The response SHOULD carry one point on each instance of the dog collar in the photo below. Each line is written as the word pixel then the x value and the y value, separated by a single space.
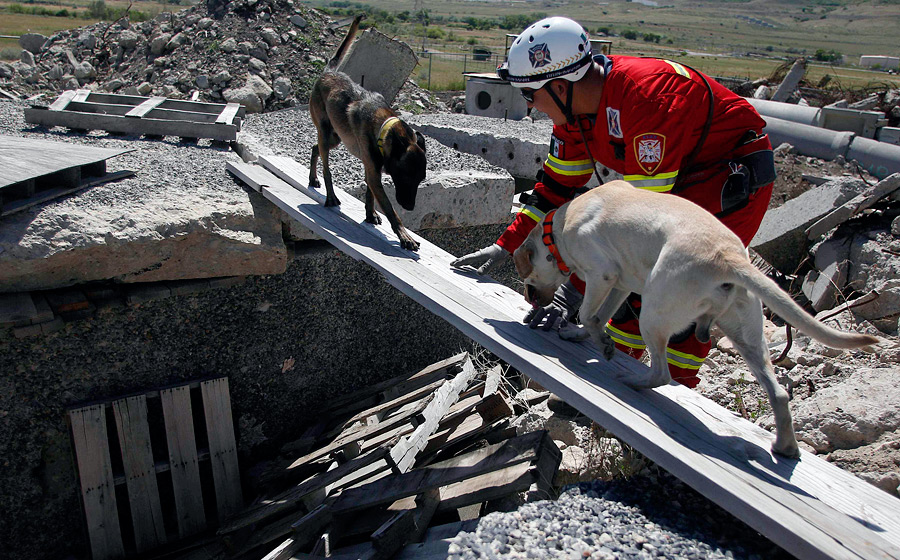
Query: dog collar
pixel 385 128
pixel 547 238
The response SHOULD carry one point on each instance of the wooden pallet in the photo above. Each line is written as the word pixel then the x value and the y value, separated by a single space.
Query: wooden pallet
pixel 127 114
pixel 118 443
pixel 34 171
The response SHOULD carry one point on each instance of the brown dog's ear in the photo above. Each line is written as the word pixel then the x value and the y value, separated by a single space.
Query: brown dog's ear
pixel 420 140
pixel 522 258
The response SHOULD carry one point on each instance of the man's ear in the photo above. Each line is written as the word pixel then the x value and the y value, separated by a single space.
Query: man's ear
pixel 559 87
pixel 522 257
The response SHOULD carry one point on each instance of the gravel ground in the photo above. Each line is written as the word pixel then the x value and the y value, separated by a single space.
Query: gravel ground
pixel 648 516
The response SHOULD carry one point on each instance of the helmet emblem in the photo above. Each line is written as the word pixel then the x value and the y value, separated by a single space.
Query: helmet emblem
pixel 539 55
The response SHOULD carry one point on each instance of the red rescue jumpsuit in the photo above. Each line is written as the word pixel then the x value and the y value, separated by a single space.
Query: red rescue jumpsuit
pixel 651 116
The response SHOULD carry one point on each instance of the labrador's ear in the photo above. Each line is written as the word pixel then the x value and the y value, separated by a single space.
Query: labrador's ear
pixel 522 257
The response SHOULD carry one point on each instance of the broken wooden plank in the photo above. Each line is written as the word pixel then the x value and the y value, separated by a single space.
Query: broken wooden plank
pixel 63 100
pixel 399 385
pixel 390 537
pixel 436 543
pixel 809 507
pixel 29 158
pixel 404 454
pixel 229 113
pixel 292 499
pixel 140 472
pixel 380 410
pixel 524 448
pixel 185 469
pixel 95 473
pixel 364 432
pixel 222 448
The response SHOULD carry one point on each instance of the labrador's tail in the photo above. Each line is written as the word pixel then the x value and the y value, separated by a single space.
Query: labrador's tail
pixel 780 302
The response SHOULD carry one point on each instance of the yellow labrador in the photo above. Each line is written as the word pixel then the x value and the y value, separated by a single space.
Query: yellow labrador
pixel 688 267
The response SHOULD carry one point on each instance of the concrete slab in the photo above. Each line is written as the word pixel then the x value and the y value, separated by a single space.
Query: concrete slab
pixel 791 81
pixel 854 206
pixel 823 285
pixel 180 216
pixel 781 238
pixel 379 63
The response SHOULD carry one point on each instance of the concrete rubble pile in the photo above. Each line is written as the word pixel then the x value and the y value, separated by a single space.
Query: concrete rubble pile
pixel 262 54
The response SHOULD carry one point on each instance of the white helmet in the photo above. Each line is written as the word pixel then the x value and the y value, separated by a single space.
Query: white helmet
pixel 555 47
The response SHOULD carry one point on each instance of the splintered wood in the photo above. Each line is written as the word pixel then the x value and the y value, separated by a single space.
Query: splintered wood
pixel 388 462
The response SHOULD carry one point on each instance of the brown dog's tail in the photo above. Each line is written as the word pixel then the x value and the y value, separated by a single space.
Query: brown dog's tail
pixel 780 302
pixel 351 33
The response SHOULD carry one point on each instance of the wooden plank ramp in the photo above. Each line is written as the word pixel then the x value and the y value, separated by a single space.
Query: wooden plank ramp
pixel 809 507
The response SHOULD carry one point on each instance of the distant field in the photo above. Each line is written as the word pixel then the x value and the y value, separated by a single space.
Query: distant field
pixel 722 30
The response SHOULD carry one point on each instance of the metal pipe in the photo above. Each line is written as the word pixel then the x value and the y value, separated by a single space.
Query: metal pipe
pixel 878 158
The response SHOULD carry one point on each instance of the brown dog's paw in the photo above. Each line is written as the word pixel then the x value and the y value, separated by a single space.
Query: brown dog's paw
pixel 409 244
pixel 314 184
pixel 332 201
pixel 373 219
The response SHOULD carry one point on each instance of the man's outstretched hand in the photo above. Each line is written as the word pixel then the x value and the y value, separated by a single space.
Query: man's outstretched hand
pixel 482 260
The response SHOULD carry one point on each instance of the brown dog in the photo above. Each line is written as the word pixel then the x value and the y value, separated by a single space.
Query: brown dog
pixel 343 111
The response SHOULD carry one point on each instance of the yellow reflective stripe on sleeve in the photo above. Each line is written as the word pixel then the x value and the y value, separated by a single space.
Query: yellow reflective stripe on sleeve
pixel 683 360
pixel 660 182
pixel 569 168
pixel 625 339
pixel 679 68
pixel 533 213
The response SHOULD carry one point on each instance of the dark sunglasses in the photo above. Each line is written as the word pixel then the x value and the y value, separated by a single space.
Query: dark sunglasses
pixel 528 94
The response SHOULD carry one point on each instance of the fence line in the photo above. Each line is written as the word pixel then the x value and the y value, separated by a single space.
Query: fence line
pixel 444 65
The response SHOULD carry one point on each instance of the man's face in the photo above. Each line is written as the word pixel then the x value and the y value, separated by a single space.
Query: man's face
pixel 541 100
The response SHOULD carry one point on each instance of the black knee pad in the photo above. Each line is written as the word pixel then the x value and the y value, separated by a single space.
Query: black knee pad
pixel 631 309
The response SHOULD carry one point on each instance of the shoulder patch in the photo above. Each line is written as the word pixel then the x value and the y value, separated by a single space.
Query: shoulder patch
pixel 556 146
pixel 649 151
pixel 613 122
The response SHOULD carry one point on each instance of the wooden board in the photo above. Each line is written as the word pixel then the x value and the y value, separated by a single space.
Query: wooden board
pixel 222 448
pixel 28 158
pixel 140 472
pixel 97 489
pixel 124 125
pixel 810 507
pixel 522 449
pixel 404 453
pixel 183 460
